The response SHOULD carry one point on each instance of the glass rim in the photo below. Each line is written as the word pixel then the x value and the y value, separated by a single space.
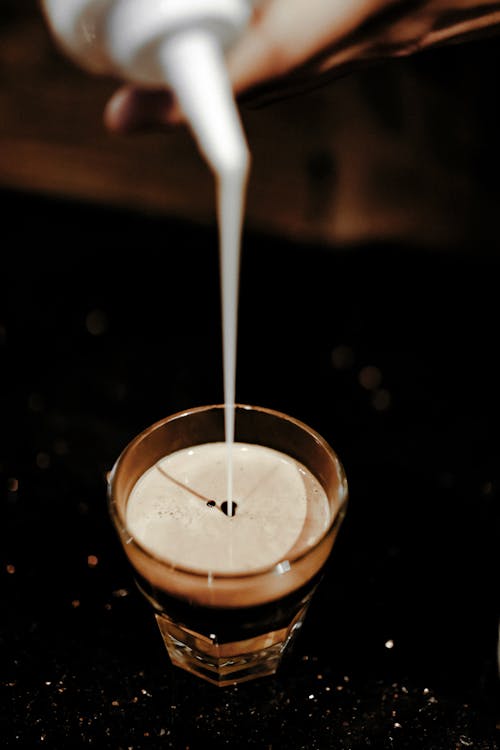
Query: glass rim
pixel 121 526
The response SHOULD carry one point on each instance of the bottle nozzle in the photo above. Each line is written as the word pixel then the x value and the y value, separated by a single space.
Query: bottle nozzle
pixel 195 68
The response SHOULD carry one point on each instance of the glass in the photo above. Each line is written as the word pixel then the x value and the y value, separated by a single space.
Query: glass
pixel 229 627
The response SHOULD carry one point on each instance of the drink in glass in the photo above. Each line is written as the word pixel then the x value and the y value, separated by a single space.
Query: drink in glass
pixel 229 579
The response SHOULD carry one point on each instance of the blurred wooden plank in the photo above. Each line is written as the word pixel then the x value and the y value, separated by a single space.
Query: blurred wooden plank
pixel 323 166
pixel 52 139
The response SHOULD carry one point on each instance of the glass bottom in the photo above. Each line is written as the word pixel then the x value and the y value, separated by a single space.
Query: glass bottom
pixel 227 663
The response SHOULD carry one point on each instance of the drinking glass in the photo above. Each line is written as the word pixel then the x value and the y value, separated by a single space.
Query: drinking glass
pixel 229 627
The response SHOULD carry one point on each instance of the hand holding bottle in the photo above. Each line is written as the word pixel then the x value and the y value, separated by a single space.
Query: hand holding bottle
pixel 292 45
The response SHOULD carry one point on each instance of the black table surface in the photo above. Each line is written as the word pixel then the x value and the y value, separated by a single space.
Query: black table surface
pixel 111 321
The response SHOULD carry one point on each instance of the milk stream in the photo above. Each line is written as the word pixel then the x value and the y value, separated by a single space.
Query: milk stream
pixel 197 71
pixel 231 189
pixel 179 44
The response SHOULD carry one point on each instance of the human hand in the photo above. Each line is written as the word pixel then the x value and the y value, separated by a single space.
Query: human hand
pixel 293 45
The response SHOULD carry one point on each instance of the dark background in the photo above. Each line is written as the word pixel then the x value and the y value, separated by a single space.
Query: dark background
pixel 373 318
pixel 110 322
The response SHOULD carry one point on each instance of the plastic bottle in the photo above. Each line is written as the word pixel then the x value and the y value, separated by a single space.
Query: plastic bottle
pixel 175 43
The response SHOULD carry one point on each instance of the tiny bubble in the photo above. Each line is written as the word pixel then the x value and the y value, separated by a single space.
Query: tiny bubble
pixel 35 402
pixel 96 322
pixel 61 447
pixel 389 644
pixel 342 357
pixel 370 377
pixel 42 460
pixel 381 399
pixel 120 391
pixel 446 480
pixel 92 561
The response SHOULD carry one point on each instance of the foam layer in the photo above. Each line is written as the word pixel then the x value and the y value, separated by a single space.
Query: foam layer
pixel 281 509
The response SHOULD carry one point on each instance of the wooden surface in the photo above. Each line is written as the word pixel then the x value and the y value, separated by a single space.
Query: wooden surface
pixel 330 165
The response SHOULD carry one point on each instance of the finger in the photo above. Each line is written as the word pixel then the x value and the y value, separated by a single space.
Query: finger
pixel 287 33
pixel 284 34
pixel 133 109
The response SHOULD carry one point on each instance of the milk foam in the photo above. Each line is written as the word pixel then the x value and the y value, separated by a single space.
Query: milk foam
pixel 281 509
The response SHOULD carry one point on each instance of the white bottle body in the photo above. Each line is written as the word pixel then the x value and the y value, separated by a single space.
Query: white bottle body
pixel 122 37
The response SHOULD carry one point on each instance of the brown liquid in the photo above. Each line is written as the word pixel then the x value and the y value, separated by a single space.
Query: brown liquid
pixel 231 624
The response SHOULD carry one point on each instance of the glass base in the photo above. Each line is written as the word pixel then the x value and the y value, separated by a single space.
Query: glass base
pixel 227 663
